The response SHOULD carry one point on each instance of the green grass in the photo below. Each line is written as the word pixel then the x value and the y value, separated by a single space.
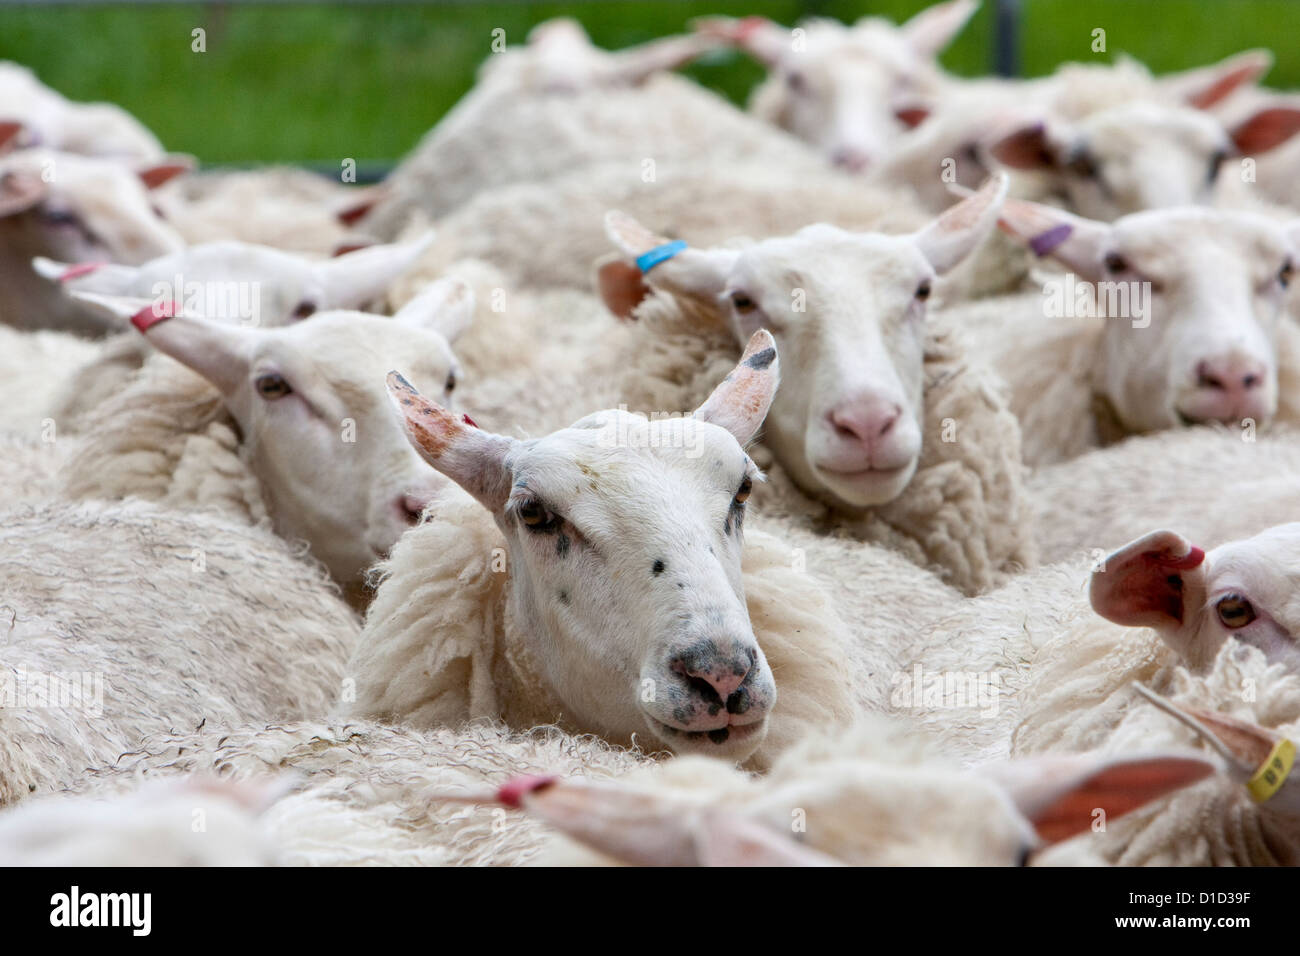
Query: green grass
pixel 319 82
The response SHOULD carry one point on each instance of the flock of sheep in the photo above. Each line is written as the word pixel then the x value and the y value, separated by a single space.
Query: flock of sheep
pixel 374 525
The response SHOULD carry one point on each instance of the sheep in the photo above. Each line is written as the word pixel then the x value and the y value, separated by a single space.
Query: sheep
pixel 229 280
pixel 846 91
pixel 871 796
pixel 122 619
pixel 33 365
pixel 953 504
pixel 1081 695
pixel 75 209
pixel 281 424
pixel 645 120
pixel 1093 503
pixel 1165 318
pixel 190 822
pixel 501 606
pixel 51 120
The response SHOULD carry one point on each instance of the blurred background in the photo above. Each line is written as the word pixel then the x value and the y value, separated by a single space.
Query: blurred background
pixel 315 82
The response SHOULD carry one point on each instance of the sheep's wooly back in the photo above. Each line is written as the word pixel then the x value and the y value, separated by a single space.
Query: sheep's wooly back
pixel 1079 698
pixel 440 647
pixel 167 438
pixel 367 794
pixel 184 618
pixel 33 367
pixel 534 135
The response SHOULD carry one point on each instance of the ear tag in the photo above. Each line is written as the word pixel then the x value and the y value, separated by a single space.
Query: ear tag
pixel 648 260
pixel 151 315
pixel 1269 778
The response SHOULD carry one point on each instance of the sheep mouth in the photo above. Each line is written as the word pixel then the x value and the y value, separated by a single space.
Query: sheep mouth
pixel 868 472
pixel 726 734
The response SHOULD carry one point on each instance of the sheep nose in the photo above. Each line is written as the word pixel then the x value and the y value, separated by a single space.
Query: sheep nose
pixel 716 677
pixel 865 423
pixel 413 505
pixel 853 158
pixel 1232 374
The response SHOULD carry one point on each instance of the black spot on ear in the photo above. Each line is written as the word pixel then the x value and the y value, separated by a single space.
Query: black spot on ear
pixel 562 544
pixel 407 401
pixel 658 566
pixel 761 360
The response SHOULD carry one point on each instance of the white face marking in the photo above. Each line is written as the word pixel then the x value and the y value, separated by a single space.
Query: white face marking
pixel 625 538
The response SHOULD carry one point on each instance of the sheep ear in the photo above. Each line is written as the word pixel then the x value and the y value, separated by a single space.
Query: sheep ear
pixel 474 459
pixel 762 39
pixel 1206 86
pixel 1061 794
pixel 445 306
pixel 1266 129
pixel 164 172
pixel 255 796
pixel 9 133
pixel 219 352
pixel 20 191
pixel 740 403
pixel 931 30
pixel 361 201
pixel 635 65
pixel 959 229
pixel 620 283
pixel 1156 581
pixel 1031 145
pixel 664 263
pixel 1075 242
pixel 106 278
pixel 726 839
pixel 359 277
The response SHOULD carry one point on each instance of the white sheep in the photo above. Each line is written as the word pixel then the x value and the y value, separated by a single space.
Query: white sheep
pixel 848 91
pixel 535 129
pixel 74 209
pixel 127 619
pixel 502 607
pixel 51 120
pixel 289 424
pixel 1164 318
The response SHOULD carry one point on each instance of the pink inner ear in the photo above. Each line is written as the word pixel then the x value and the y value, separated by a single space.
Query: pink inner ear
pixel 1224 85
pixel 1144 589
pixel 621 287
pixel 1266 129
pixel 1025 149
pixel 912 116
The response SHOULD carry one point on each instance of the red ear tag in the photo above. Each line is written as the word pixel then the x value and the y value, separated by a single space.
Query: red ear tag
pixel 513 791
pixel 77 271
pixel 469 421
pixel 151 315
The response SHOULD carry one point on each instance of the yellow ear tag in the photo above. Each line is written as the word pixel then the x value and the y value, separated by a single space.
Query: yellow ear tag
pixel 1269 778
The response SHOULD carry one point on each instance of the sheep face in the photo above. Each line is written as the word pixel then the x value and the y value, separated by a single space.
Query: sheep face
pixel 1194 336
pixel 625 538
pixel 245 283
pixel 1244 590
pixel 315 423
pixel 839 88
pixel 79 209
pixel 848 312
pixel 1139 156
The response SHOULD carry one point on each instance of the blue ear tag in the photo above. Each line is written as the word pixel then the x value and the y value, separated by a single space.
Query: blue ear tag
pixel 648 260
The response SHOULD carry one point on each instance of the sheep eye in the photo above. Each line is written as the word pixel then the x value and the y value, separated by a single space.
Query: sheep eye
pixel 451 382
pixel 1235 611
pixel 272 386
pixel 797 82
pixel 923 290
pixel 742 302
pixel 742 495
pixel 59 217
pixel 1284 274
pixel 1082 165
pixel 535 516
pixel 304 309
pixel 1115 263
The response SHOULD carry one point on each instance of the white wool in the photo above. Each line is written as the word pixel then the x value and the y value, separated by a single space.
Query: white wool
pixel 1080 697
pixel 33 369
pixel 174 619
pixel 279 206
pixel 1094 503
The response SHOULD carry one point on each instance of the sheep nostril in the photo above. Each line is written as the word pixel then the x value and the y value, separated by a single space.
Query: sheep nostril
pixel 412 507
